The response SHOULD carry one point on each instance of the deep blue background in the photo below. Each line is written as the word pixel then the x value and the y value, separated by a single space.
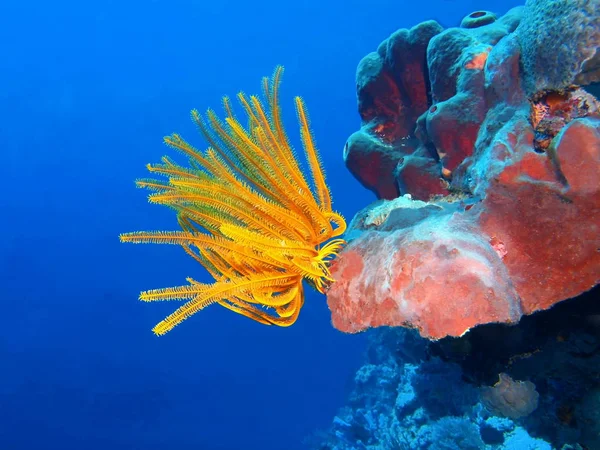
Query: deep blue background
pixel 87 90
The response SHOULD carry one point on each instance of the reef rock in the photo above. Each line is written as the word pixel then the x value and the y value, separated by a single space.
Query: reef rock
pixel 490 192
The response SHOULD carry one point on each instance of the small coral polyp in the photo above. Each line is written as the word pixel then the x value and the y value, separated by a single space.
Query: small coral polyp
pixel 504 155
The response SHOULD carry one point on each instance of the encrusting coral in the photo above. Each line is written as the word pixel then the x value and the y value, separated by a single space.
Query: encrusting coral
pixel 248 214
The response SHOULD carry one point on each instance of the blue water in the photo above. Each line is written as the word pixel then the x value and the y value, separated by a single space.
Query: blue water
pixel 87 90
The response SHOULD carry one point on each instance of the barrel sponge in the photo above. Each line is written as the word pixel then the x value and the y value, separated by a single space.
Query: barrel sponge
pixel 559 43
pixel 478 19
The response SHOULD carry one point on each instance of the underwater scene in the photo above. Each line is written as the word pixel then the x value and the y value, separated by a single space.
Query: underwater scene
pixel 379 225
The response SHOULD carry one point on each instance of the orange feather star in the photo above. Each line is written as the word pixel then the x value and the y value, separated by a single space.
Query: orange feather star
pixel 247 214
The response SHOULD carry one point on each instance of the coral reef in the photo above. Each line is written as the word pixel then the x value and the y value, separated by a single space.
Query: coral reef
pixel 482 145
pixel 486 168
pixel 415 394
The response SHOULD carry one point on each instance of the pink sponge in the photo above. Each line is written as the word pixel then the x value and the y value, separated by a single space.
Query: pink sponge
pixel 507 216
pixel 438 275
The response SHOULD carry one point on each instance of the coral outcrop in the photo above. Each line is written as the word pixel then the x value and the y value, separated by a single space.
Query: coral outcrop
pixel 487 170
pixel 409 401
pixel 530 386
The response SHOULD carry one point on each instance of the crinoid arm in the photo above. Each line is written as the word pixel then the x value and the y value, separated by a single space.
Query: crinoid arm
pixel 248 214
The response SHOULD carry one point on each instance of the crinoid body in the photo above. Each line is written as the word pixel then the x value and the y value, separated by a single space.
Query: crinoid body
pixel 247 214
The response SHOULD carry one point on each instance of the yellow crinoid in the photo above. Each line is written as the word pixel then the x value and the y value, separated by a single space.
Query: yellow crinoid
pixel 248 214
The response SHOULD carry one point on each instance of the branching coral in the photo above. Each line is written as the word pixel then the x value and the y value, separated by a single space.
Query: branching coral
pixel 248 214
